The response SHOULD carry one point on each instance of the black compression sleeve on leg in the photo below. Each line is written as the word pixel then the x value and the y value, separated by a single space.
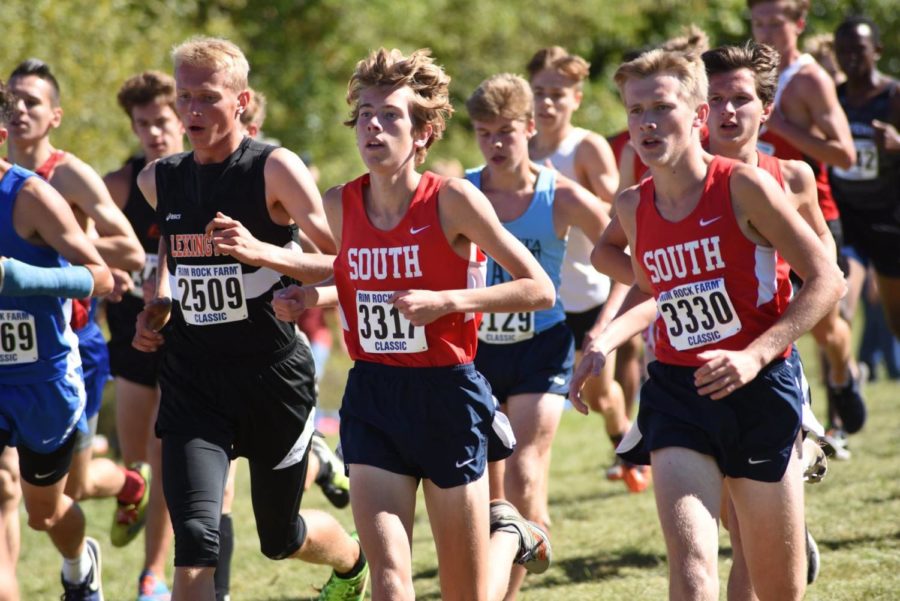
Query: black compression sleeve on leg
pixel 226 550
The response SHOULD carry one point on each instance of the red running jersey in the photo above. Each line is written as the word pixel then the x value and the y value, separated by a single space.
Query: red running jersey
pixel 372 264
pixel 775 145
pixel 714 288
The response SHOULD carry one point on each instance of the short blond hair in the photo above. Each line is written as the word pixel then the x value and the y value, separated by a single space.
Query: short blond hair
pixel 693 39
pixel 504 95
pixel 558 59
pixel 217 54
pixel 255 113
pixel 686 67
pixel 428 82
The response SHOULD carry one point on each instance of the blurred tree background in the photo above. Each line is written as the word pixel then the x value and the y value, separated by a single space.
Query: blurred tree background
pixel 302 53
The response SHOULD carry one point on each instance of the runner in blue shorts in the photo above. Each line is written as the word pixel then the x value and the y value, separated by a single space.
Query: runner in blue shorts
pixel 82 188
pixel 45 261
pixel 526 356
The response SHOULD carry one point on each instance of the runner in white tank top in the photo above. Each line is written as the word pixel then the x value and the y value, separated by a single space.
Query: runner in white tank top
pixel 556 78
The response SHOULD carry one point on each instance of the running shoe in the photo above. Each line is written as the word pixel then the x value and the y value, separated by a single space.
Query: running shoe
pixel 849 404
pixel 151 588
pixel 333 482
pixel 130 518
pixel 535 552
pixel 834 443
pixel 346 589
pixel 91 588
pixel 637 477
pixel 815 461
pixel 812 558
pixel 616 470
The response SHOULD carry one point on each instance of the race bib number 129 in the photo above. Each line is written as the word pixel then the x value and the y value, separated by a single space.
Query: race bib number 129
pixel 210 294
pixel 506 328
pixel 698 314
pixel 383 329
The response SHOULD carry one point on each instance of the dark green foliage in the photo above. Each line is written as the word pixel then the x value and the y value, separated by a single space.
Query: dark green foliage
pixel 303 51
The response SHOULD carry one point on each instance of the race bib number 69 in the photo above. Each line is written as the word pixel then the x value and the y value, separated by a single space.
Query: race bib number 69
pixel 383 329
pixel 18 338
pixel 698 314
pixel 210 294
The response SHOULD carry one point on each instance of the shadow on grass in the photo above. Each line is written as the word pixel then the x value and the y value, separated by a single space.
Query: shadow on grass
pixel 559 502
pixel 860 541
pixel 590 568
pixel 577 569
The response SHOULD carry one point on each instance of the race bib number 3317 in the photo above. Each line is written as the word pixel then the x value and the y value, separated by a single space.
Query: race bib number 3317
pixel 383 329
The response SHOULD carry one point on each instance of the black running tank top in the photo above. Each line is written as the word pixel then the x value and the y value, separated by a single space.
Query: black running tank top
pixel 221 308
pixel 873 182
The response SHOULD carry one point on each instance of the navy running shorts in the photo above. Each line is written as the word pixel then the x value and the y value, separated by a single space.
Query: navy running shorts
pixel 424 422
pixel 542 364
pixel 750 433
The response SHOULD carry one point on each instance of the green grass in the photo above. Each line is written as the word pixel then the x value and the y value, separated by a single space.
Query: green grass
pixel 607 543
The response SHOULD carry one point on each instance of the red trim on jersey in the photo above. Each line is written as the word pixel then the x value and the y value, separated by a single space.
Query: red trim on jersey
pixel 49 166
pixel 452 339
pixel 617 142
pixel 708 244
pixel 785 150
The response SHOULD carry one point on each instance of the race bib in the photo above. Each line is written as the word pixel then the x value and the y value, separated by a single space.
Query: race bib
pixel 147 274
pixel 18 338
pixel 866 166
pixel 506 328
pixel 383 329
pixel 698 314
pixel 210 294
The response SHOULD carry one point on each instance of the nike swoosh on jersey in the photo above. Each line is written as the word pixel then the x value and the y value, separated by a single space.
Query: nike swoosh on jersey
pixel 753 461
pixel 705 222
pixel 416 230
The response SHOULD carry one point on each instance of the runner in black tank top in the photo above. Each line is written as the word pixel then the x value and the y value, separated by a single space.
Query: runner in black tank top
pixel 125 361
pixel 234 381
pixel 869 191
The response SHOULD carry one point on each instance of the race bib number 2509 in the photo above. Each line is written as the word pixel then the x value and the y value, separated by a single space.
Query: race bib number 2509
pixel 210 294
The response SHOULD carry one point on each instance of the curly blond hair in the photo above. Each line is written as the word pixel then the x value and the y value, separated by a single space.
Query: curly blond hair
pixel 428 82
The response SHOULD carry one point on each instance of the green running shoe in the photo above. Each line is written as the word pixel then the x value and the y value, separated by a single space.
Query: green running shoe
pixel 346 589
pixel 130 518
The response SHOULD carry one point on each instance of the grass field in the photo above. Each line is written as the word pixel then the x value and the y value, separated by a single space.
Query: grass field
pixel 607 544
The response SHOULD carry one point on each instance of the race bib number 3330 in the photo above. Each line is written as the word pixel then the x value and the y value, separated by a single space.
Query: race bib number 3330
pixel 210 294
pixel 383 329
pixel 698 314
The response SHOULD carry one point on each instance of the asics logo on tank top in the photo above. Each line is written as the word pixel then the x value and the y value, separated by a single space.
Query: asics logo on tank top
pixel 694 257
pixel 384 262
